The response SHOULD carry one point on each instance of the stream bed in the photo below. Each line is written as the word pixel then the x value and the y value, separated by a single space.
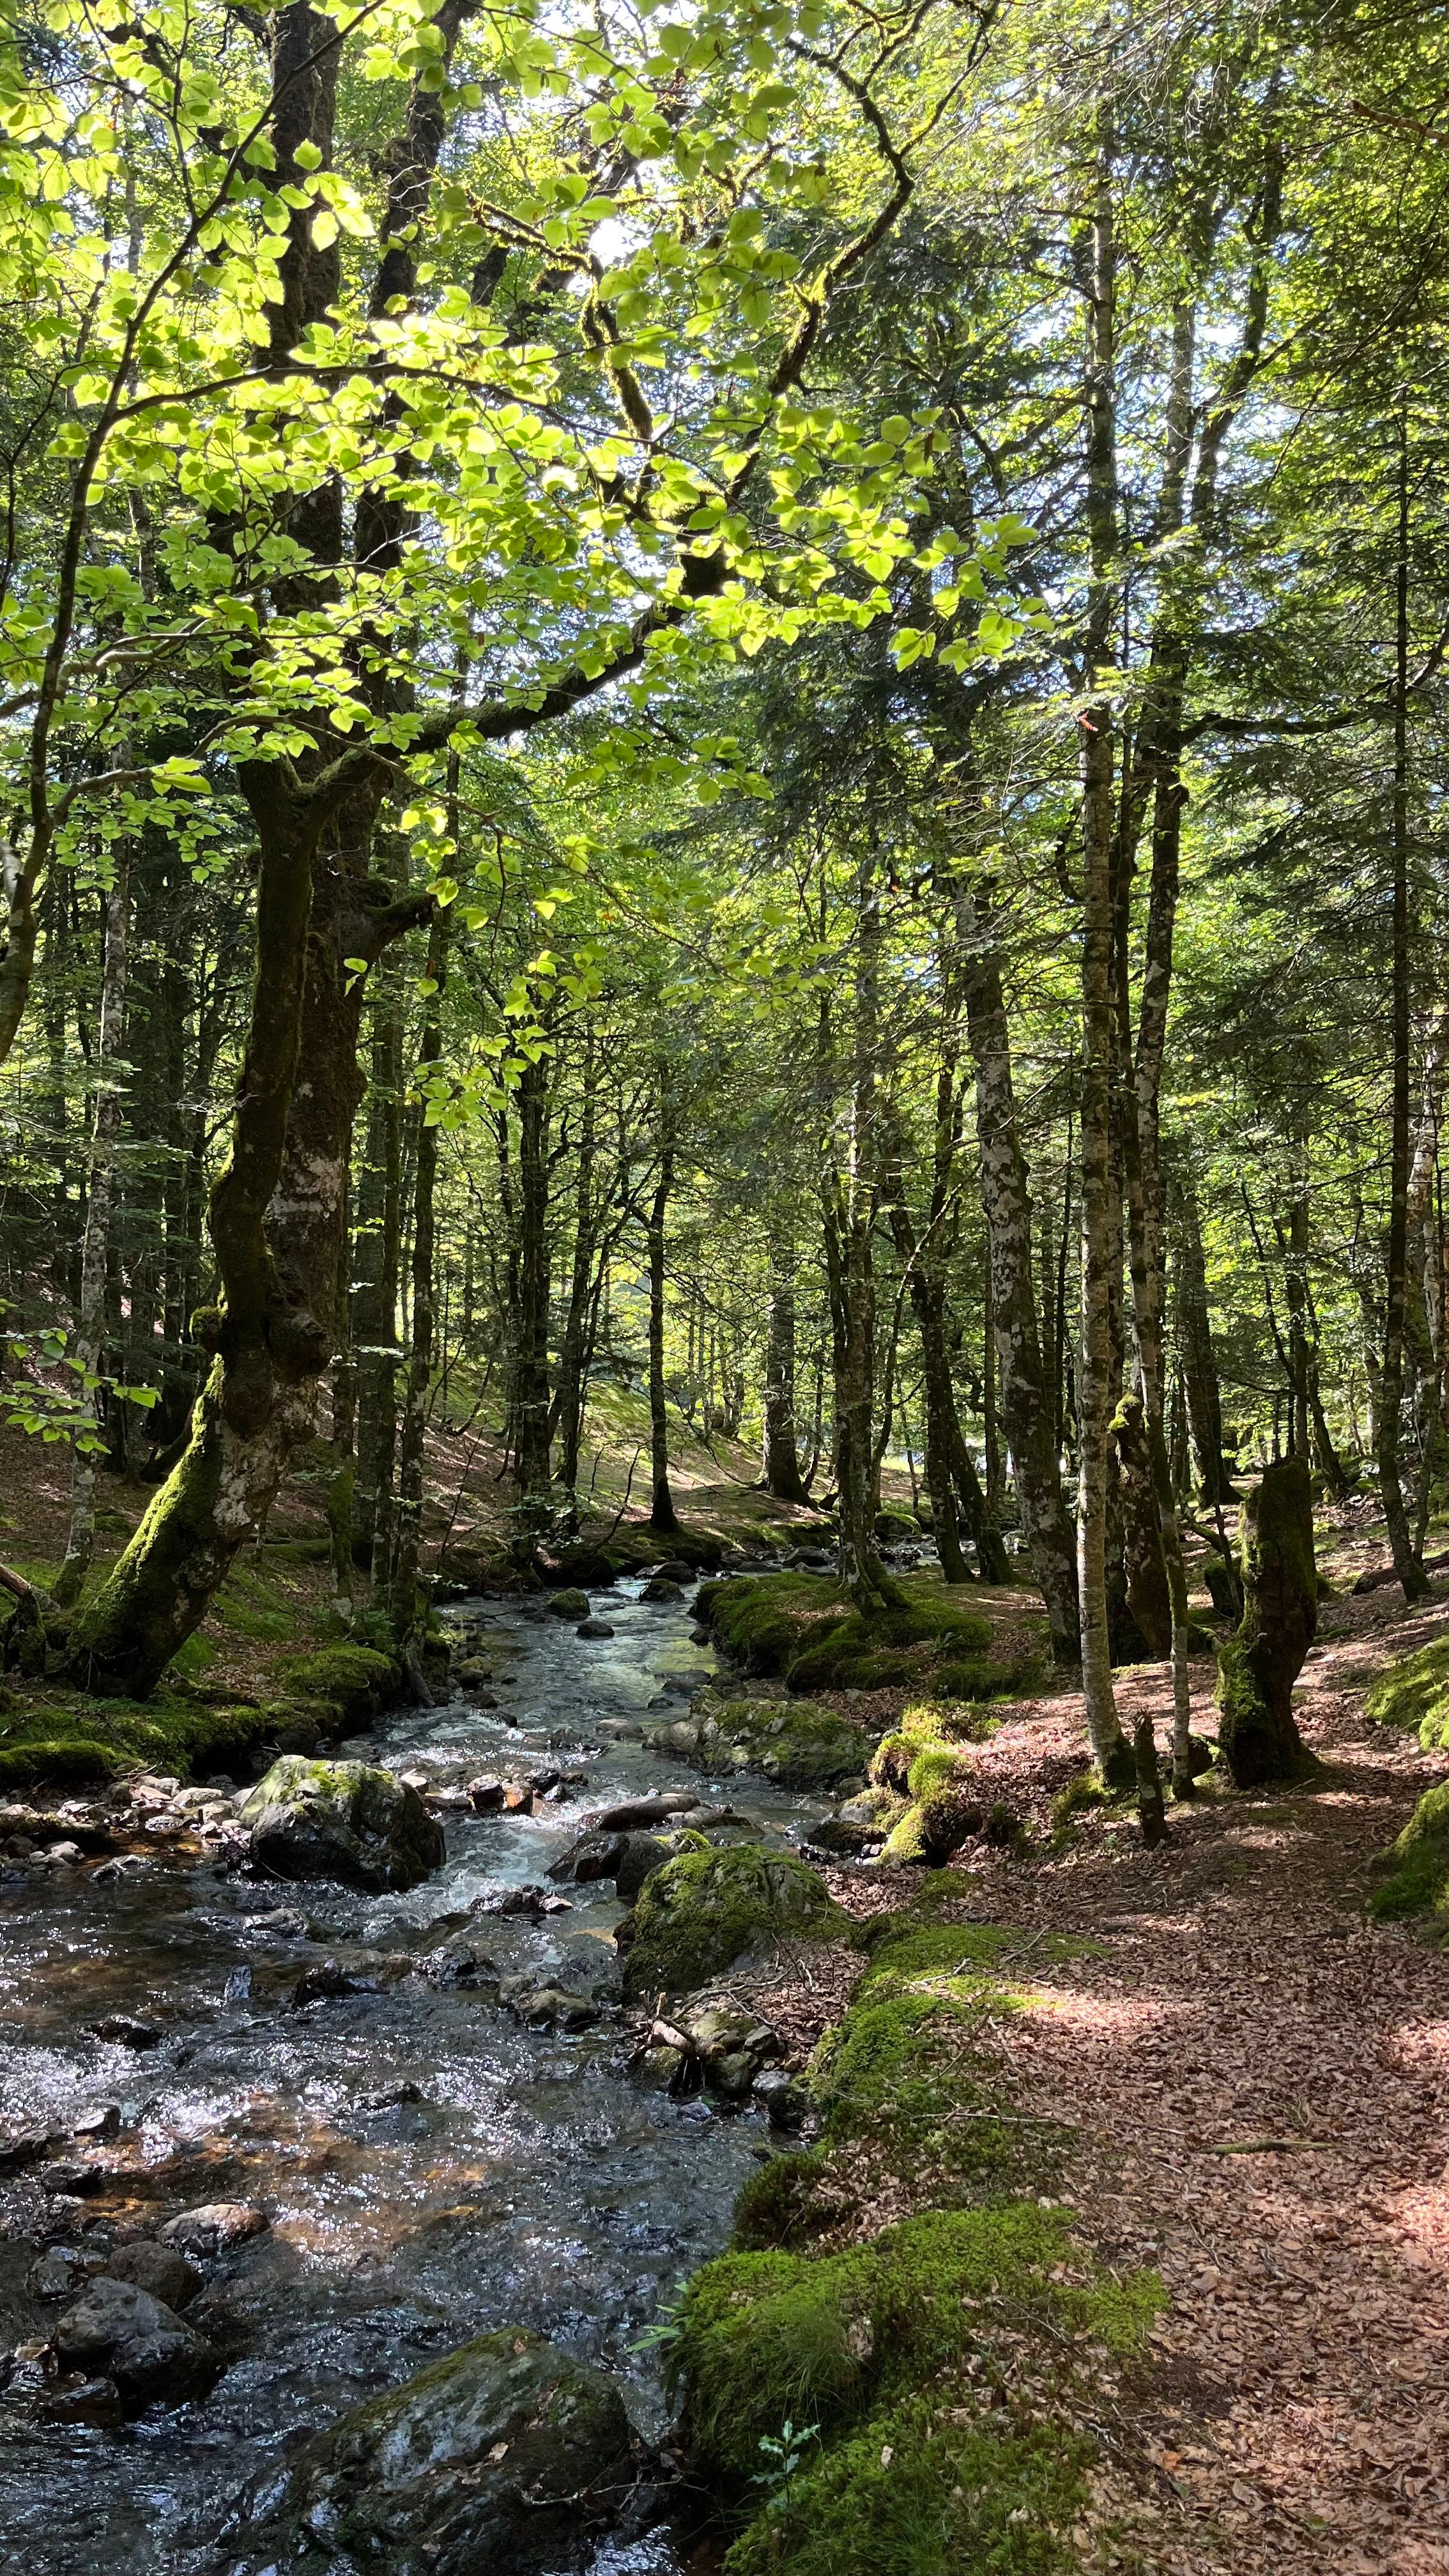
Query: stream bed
pixel 531 2181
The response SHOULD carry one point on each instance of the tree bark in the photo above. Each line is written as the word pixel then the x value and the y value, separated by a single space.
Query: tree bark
pixel 1101 1208
pixel 662 1514
pixel 1007 1206
pixel 96 1243
pixel 378 1277
pixel 1408 1560
pixel 782 1457
pixel 409 1605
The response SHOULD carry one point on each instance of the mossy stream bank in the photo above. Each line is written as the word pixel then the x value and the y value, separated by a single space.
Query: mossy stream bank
pixel 433 2109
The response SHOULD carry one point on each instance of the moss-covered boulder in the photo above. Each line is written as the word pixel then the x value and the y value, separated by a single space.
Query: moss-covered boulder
pixel 356 1680
pixel 801 1625
pixel 1256 1730
pixel 341 1820
pixel 704 1910
pixel 926 1762
pixel 1414 1692
pixel 1414 1871
pixel 795 1743
pixel 506 2456
pixel 570 1604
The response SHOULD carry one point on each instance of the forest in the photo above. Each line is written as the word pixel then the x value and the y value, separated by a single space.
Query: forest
pixel 724 1297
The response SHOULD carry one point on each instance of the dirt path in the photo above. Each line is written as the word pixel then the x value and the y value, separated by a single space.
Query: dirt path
pixel 1261 2086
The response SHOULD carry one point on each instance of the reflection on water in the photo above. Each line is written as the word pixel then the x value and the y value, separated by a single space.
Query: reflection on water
pixel 528 2182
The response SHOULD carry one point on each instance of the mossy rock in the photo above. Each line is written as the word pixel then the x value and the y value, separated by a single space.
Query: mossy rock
pixel 893 1527
pixel 570 1604
pixel 925 1760
pixel 358 1680
pixel 94 1740
pixel 1415 1869
pixel 341 1820
pixel 701 1912
pixel 799 1625
pixel 506 2455
pixel 823 2339
pixel 1414 1692
pixel 792 1742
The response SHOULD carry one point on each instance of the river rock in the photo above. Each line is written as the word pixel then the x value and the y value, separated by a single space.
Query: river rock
pixel 571 1604
pixel 795 1743
pixel 595 1628
pixel 21 2147
pixel 162 2270
pixel 59 2273
pixel 662 1587
pixel 126 2030
pixel 214 2227
pixel 704 1910
pixel 783 2098
pixel 487 1797
pixel 83 2401
pixel 120 2332
pixel 547 2007
pixel 71 2176
pixel 636 1813
pixel 341 1820
pixel 857 1826
pixel 504 2457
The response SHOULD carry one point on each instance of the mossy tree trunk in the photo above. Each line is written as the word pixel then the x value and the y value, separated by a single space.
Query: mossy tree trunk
pixel 529 1391
pixel 378 1261
pixel 1257 1730
pixel 851 1200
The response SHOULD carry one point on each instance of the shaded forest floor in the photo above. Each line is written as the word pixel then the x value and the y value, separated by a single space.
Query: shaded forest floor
pixel 1257 2082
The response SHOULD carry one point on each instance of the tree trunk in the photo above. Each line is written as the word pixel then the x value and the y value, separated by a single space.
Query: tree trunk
pixel 1006 1203
pixel 378 1278
pixel 95 1251
pixel 1408 1560
pixel 532 1467
pixel 409 1606
pixel 662 1514
pixel 782 1458
pixel 1101 1207
pixel 1258 1732
pixel 1194 1341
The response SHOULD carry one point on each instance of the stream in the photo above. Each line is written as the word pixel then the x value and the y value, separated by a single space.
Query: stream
pixel 532 2181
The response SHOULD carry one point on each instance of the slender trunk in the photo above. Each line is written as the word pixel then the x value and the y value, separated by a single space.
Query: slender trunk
pixel 409 1605
pixel 1101 1210
pixel 662 1514
pixel 1408 1560
pixel 341 1482
pixel 782 1459
pixel 375 1297
pixel 850 1210
pixel 1006 1203
pixel 532 1469
pixel 96 1244
pixel 1194 1342
pixel 568 1399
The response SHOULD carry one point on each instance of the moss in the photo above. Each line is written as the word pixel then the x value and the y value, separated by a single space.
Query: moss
pixel 702 1911
pixel 793 1742
pixel 919 2490
pixel 925 1759
pixel 94 1740
pixel 823 2338
pixel 801 1626
pixel 780 2205
pixel 1415 1693
pixel 1257 1732
pixel 357 1679
pixel 1087 1789
pixel 1416 1867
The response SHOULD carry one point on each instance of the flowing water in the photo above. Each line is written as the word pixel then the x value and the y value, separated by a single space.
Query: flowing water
pixel 533 2181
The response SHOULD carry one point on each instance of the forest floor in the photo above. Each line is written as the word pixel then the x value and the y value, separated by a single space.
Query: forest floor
pixel 1258 2083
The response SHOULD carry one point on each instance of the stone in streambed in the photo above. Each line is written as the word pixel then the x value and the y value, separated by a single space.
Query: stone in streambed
pixel 342 1820
pixel 704 1910
pixel 661 1587
pixel 504 2457
pixel 162 2270
pixel 121 2333
pixel 215 2227
pixel 596 1628
pixel 571 1604
pixel 795 1743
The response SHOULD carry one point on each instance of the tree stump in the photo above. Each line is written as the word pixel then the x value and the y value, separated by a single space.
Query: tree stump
pixel 1257 1732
